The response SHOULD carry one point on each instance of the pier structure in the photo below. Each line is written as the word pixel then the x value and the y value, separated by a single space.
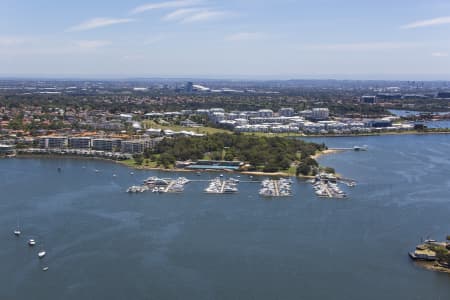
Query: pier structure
pixel 276 188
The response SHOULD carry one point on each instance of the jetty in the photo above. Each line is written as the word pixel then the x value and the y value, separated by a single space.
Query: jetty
pixel 276 188
pixel 326 186
pixel 160 185
pixel 354 148
pixel 219 186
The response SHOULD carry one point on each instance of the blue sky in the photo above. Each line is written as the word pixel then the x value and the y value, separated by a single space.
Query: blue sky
pixel 243 39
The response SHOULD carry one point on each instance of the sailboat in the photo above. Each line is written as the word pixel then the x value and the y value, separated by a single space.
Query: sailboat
pixel 31 242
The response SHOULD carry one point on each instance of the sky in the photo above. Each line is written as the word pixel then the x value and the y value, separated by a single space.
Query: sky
pixel 254 39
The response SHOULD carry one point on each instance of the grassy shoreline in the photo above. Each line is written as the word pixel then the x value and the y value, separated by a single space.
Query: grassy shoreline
pixel 130 164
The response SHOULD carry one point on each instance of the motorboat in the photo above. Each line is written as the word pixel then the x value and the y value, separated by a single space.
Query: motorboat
pixel 41 253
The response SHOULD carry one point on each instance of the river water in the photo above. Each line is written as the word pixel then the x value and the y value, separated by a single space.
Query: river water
pixel 103 243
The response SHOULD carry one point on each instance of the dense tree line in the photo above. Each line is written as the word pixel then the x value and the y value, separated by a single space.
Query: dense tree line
pixel 269 154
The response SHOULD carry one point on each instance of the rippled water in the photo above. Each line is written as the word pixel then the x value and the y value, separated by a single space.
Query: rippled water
pixel 103 243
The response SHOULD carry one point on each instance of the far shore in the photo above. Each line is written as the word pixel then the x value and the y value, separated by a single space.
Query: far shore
pixel 410 132
pixel 326 152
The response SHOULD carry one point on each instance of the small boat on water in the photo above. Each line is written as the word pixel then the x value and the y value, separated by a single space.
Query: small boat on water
pixel 360 148
pixel 17 231
pixel 41 253
pixel 31 242
pixel 45 269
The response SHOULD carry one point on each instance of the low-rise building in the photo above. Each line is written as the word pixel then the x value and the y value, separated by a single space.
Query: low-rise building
pixel 286 112
pixel 320 114
pixel 7 149
pixel 106 144
pixel 138 146
pixel 265 113
pixel 80 142
pixel 53 142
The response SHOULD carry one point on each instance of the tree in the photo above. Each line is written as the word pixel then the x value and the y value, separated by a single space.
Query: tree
pixel 166 159
pixel 138 159
pixel 329 170
pixel 303 169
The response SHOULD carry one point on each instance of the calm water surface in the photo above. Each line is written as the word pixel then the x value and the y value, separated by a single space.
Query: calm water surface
pixel 105 244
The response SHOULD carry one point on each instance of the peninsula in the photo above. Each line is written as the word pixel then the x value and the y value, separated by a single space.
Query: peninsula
pixel 433 255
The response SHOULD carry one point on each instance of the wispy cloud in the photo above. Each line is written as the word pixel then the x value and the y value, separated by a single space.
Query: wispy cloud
pixel 166 4
pixel 98 22
pixel 427 23
pixel 372 46
pixel 180 14
pixel 245 36
pixel 91 44
pixel 439 54
pixel 206 15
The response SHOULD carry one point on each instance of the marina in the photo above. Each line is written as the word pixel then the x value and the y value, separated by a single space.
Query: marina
pixel 276 188
pixel 326 186
pixel 160 185
pixel 219 186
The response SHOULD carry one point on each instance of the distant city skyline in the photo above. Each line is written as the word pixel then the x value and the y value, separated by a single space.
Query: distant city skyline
pixel 246 39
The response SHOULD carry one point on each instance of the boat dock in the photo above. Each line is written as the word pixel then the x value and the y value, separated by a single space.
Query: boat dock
pixel 276 188
pixel 160 185
pixel 326 186
pixel 219 186
pixel 354 148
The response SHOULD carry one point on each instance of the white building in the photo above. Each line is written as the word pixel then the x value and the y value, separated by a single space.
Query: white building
pixel 286 112
pixel 265 113
pixel 320 113
pixel 135 146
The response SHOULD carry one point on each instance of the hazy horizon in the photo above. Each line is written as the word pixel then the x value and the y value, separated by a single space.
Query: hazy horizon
pixel 284 39
pixel 324 77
